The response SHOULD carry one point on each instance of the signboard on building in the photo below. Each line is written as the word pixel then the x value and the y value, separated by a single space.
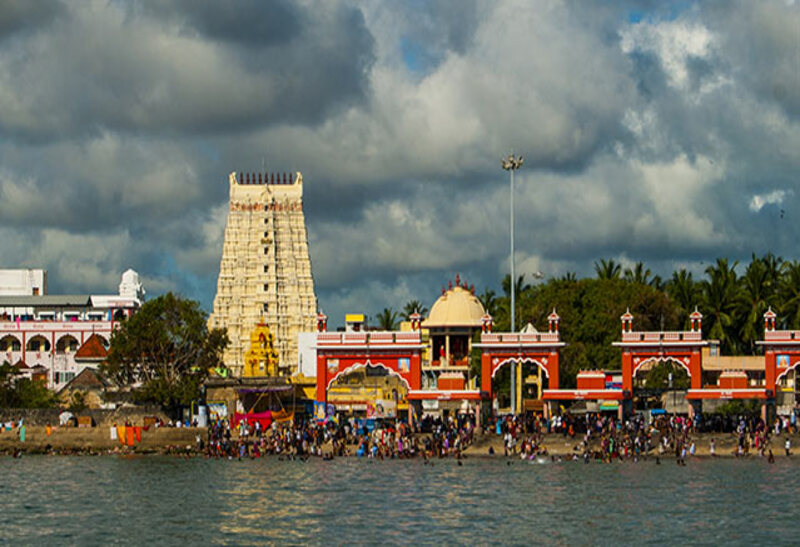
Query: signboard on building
pixel 382 408
pixel 333 366
pixel 430 404
pixel 217 410
pixel 404 364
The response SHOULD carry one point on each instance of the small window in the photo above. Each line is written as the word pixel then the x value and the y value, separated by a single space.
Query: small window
pixel 266 307
pixel 266 287
pixel 266 250
pixel 266 268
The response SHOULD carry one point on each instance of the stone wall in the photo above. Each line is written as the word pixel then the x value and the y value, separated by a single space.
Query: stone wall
pixel 100 417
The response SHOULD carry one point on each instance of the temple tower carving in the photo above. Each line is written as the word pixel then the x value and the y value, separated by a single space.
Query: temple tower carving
pixel 265 271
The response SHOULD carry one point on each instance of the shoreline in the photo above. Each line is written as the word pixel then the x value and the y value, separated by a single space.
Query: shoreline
pixel 183 441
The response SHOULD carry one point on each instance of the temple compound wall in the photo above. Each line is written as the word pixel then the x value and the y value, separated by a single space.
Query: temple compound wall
pixel 265 271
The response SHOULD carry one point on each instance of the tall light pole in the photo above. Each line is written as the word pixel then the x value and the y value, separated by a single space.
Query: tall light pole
pixel 511 164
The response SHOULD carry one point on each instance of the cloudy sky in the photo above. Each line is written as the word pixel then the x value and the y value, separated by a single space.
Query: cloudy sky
pixel 655 131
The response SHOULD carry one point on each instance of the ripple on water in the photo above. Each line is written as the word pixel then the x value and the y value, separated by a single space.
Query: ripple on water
pixel 163 500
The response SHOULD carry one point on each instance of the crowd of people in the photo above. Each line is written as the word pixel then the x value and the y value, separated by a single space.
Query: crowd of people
pixel 593 437
pixel 606 438
pixel 432 438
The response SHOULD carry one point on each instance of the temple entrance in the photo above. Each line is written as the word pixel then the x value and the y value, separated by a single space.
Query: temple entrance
pixel 369 392
pixel 661 383
pixel 532 379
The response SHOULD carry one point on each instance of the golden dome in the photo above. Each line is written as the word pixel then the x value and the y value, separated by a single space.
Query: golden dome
pixel 456 308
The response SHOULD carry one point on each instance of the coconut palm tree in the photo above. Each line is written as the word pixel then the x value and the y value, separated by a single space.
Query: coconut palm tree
pixel 607 269
pixel 638 274
pixel 387 319
pixel 683 290
pixel 489 301
pixel 569 277
pixel 721 293
pixel 789 291
pixel 776 267
pixel 753 301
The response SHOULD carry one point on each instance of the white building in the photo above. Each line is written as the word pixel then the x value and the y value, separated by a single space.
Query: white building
pixel 23 282
pixel 54 337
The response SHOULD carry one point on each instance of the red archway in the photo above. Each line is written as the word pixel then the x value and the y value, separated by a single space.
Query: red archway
pixel 683 363
pixel 781 352
pixel 499 349
pixel 368 364
pixel 523 361
pixel 340 353
pixel 681 347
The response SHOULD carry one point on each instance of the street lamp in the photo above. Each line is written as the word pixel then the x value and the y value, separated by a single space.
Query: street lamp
pixel 511 164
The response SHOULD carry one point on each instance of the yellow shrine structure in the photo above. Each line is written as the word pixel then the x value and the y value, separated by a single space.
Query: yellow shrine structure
pixel 262 358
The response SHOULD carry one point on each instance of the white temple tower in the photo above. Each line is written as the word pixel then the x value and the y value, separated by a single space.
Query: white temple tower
pixel 265 271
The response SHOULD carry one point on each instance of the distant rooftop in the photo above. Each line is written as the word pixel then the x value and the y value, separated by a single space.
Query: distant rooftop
pixel 47 300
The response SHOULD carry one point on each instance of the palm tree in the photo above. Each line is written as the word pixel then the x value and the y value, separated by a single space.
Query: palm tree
pixel 720 296
pixel 521 290
pixel 489 301
pixel 569 277
pixel 753 302
pixel 658 283
pixel 776 267
pixel 790 295
pixel 519 287
pixel 639 274
pixel 387 319
pixel 684 291
pixel 607 269
pixel 413 306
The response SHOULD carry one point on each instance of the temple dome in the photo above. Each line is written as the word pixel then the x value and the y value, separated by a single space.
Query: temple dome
pixel 457 307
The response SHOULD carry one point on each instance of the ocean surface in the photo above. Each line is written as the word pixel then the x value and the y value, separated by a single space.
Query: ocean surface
pixel 161 500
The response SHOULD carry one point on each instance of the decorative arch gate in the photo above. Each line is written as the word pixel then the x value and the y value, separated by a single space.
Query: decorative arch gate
pixel 341 353
pixel 499 349
pixel 681 347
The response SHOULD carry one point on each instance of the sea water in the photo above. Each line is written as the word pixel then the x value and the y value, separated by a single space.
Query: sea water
pixel 162 500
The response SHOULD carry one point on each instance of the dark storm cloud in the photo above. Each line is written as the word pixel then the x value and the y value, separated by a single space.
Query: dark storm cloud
pixel 246 22
pixel 21 16
pixel 130 70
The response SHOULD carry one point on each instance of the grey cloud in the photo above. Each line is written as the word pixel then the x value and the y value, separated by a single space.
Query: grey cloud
pixel 125 71
pixel 245 22
pixel 761 40
pixel 20 17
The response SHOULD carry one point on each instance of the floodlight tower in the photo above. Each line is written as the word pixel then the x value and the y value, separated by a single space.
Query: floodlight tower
pixel 511 164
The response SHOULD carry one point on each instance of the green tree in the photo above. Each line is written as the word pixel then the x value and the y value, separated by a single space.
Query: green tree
pixel 522 291
pixel 168 347
pixel 754 299
pixel 720 297
pixel 789 291
pixel 658 376
pixel 18 392
pixel 638 274
pixel 683 290
pixel 590 311
pixel 607 269
pixel 489 301
pixel 387 319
